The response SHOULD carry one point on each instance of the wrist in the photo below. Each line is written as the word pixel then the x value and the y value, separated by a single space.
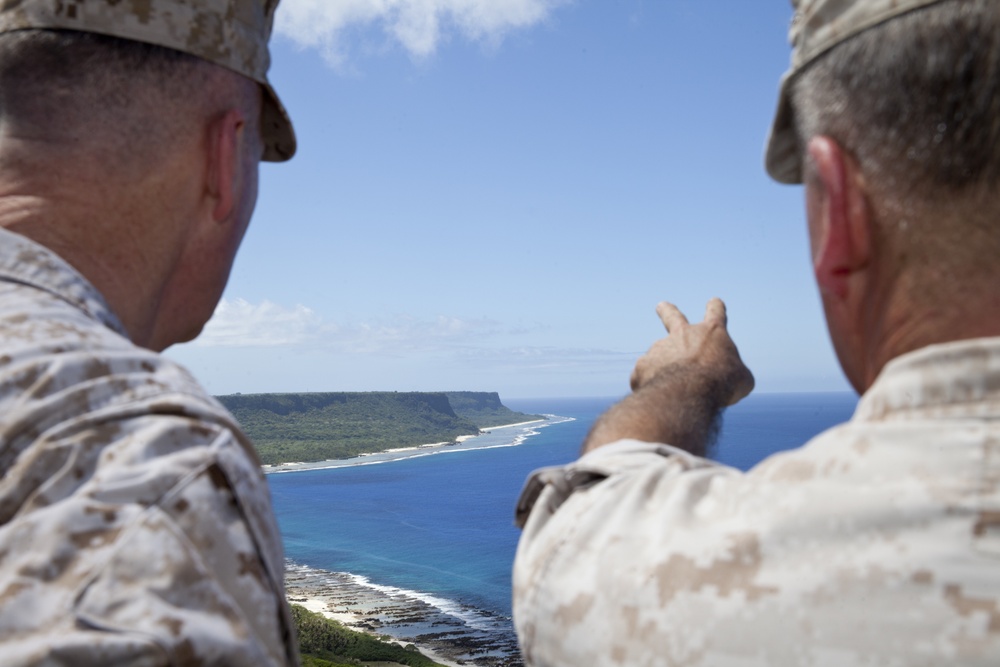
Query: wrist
pixel 692 380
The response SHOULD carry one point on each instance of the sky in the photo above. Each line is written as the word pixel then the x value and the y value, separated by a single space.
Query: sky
pixel 493 195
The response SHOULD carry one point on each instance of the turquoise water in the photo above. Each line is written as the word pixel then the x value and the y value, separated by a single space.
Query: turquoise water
pixel 440 526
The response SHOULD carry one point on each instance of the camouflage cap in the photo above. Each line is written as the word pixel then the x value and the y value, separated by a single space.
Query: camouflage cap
pixel 817 27
pixel 229 33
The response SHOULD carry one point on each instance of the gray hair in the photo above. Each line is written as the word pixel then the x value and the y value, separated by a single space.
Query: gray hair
pixel 916 100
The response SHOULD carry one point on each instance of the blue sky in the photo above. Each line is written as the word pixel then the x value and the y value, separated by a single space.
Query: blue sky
pixel 494 194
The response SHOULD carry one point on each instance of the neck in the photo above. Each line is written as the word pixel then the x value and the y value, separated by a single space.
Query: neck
pixel 916 320
pixel 83 221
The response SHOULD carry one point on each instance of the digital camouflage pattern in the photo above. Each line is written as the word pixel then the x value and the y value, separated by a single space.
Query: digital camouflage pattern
pixel 135 523
pixel 229 33
pixel 818 26
pixel 877 543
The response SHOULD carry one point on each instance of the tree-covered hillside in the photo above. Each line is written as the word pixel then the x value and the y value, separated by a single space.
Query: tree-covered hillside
pixel 322 426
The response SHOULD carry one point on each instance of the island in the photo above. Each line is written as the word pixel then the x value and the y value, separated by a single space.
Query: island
pixel 310 427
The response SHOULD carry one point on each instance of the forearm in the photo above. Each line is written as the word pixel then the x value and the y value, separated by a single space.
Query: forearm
pixel 680 407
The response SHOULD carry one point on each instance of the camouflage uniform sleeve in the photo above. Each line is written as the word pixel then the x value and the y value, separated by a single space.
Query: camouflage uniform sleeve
pixel 872 544
pixel 135 522
pixel 159 555
pixel 584 550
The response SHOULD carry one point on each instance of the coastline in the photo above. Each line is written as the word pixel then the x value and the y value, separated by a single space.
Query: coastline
pixel 449 634
pixel 461 443
pixel 488 429
pixel 447 631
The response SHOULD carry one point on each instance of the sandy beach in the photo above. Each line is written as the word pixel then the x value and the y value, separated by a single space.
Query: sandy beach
pixel 447 633
pixel 497 428
pixel 396 453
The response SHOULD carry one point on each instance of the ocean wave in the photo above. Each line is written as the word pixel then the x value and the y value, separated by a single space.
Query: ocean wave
pixel 462 631
pixel 477 619
pixel 470 616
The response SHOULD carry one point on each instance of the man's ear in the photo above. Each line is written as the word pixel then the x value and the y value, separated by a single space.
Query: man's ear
pixel 225 144
pixel 839 217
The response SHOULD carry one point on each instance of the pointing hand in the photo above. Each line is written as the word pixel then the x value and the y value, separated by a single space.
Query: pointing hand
pixel 702 351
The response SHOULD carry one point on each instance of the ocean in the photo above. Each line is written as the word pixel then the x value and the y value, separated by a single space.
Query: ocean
pixel 432 532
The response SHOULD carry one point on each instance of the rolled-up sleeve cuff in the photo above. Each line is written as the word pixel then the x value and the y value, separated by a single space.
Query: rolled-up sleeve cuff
pixel 615 458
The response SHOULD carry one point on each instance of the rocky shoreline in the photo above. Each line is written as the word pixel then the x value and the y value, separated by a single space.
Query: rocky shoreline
pixel 445 631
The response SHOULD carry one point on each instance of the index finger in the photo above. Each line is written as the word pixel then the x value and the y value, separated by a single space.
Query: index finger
pixel 670 315
pixel 715 311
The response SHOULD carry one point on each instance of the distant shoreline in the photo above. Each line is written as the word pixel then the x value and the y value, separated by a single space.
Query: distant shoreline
pixel 386 455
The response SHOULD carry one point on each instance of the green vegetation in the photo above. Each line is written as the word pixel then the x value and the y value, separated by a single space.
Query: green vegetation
pixel 326 643
pixel 323 426
pixel 313 661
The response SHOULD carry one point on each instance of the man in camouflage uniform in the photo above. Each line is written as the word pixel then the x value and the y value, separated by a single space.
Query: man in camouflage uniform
pixel 877 543
pixel 135 523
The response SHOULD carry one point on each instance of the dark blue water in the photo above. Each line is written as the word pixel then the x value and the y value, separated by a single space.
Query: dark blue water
pixel 442 525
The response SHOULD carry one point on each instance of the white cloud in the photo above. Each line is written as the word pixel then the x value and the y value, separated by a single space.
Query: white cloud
pixel 460 347
pixel 418 25
pixel 547 358
pixel 265 346
pixel 239 323
pixel 407 334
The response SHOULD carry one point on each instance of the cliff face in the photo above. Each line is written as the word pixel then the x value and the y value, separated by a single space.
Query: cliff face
pixel 287 404
pixel 484 409
pixel 322 426
pixel 475 400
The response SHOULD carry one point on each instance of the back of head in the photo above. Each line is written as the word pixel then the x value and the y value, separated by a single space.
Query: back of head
pixel 130 137
pixel 915 100
pixel 118 101
pixel 229 34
